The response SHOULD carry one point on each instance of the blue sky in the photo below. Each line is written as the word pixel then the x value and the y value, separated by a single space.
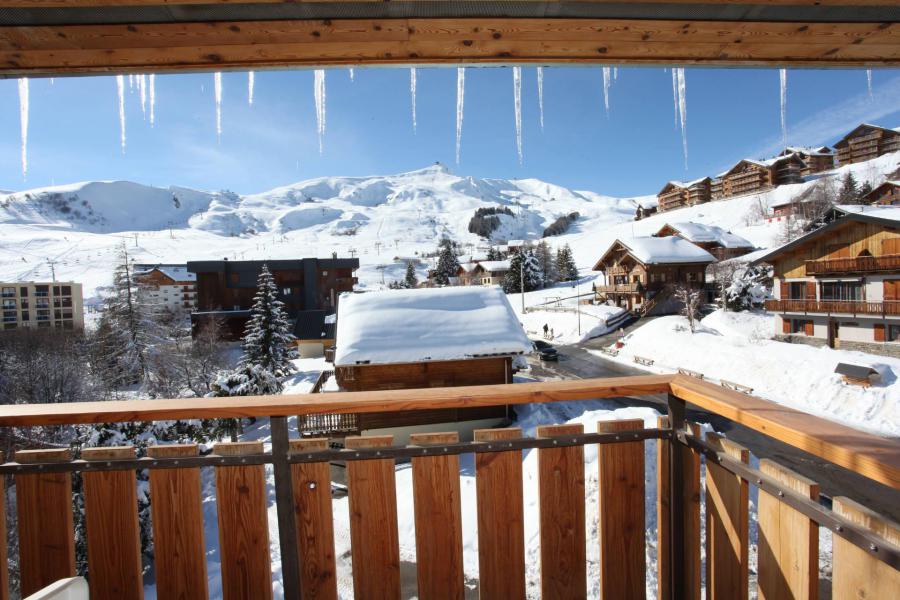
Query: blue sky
pixel 74 131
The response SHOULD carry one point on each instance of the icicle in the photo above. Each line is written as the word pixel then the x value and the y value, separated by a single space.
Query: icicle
pixel 152 99
pixel 460 104
pixel 782 76
pixel 540 81
pixel 352 74
pixel 120 88
pixel 24 107
pixel 869 81
pixel 675 93
pixel 517 101
pixel 131 82
pixel 412 95
pixel 319 91
pixel 682 112
pixel 251 81
pixel 52 81
pixel 606 89
pixel 217 87
pixel 142 89
pixel 615 73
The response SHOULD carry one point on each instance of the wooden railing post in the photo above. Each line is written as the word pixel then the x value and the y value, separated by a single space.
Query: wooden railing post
pixel 284 504
pixel 677 581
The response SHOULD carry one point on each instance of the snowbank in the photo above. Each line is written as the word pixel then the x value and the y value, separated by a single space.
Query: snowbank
pixel 736 347
pixel 397 326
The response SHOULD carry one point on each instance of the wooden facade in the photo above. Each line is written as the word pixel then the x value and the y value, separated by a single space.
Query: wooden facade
pixel 172 293
pixel 866 142
pixel 815 160
pixel 840 285
pixel 677 194
pixel 644 288
pixel 751 176
pixel 888 193
pixel 425 374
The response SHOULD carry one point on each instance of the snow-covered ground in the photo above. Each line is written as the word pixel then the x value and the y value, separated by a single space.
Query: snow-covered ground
pixel 77 229
pixel 738 347
pixel 557 308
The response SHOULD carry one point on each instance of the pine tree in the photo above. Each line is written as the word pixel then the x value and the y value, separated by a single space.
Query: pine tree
pixel 268 346
pixel 849 193
pixel 410 280
pixel 545 258
pixel 565 264
pixel 493 254
pixel 523 268
pixel 448 263
pixel 864 190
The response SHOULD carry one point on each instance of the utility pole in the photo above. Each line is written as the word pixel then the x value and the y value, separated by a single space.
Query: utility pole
pixel 522 279
pixel 578 303
pixel 52 270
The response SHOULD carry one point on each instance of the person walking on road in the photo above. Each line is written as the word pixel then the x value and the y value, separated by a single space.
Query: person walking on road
pixel 546 328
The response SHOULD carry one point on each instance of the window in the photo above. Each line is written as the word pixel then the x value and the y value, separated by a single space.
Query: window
pixel 67 290
pixel 9 304
pixel 893 333
pixel 8 292
pixel 23 292
pixel 843 291
pixel 286 291
pixel 799 326
pixel 56 290
pixel 25 316
pixel 42 291
pixel 24 303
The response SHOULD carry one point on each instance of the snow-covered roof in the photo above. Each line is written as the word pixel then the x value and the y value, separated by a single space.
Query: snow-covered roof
pixel 468 267
pixel 891 213
pixel 808 150
pixel 494 265
pixel 401 326
pixel 516 243
pixel 671 249
pixel 687 184
pixel 173 273
pixel 702 233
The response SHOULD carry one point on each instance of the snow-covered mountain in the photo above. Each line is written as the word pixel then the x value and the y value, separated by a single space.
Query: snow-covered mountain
pixel 79 228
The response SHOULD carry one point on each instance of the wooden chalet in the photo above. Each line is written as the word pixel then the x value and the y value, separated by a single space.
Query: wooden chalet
pixel 717 187
pixel 840 285
pixel 676 194
pixel 751 176
pixel 722 244
pixel 490 272
pixel 815 160
pixel 171 285
pixel 888 193
pixel 425 338
pixel 866 142
pixel 642 272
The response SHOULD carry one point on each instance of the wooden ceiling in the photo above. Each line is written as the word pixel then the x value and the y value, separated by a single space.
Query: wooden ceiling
pixel 59 37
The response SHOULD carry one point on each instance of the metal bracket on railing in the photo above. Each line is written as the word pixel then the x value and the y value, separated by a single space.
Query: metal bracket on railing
pixel 284 503
pixel 677 579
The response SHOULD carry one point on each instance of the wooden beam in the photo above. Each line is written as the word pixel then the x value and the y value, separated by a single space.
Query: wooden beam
pixel 339 402
pixel 80 49
pixel 142 3
pixel 869 455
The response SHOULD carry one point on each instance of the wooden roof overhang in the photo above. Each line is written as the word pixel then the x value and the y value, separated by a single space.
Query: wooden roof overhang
pixel 59 37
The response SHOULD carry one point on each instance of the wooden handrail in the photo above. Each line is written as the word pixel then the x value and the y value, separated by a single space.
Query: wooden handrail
pixel 338 402
pixel 869 455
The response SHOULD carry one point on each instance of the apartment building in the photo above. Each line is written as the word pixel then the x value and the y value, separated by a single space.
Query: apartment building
pixel 42 304
pixel 840 285
pixel 866 142
pixel 169 286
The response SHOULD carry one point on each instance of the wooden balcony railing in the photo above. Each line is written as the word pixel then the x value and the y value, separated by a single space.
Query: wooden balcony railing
pixel 860 264
pixel 618 288
pixel 837 307
pixel 865 558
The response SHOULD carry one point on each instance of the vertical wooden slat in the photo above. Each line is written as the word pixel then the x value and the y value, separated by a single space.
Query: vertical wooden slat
pixel 561 493
pixel 788 556
pixel 857 574
pixel 501 528
pixel 46 530
pixel 178 547
pixel 315 527
pixel 438 520
pixel 113 532
pixel 374 540
pixel 243 525
pixel 727 497
pixel 621 507
pixel 691 514
pixel 4 568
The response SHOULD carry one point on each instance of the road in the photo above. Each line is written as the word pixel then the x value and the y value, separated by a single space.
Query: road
pixel 577 363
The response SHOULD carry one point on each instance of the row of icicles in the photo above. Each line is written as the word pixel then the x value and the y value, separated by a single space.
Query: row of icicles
pixel 146 88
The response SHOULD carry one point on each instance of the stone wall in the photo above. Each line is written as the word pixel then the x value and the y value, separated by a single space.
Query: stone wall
pixel 803 339
pixel 892 350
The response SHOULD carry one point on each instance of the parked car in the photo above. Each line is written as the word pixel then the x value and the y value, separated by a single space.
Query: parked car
pixel 545 350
